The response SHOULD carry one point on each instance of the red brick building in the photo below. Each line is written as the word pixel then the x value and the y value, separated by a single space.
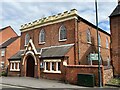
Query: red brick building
pixel 9 45
pixel 49 44
pixel 6 33
pixel 115 37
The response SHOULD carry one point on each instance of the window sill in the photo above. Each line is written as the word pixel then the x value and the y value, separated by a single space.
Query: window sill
pixel 14 69
pixel 52 71
pixel 63 40
pixel 89 42
pixel 41 42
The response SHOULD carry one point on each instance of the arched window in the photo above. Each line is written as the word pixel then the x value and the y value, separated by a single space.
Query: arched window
pixel 99 40
pixel 27 38
pixel 107 43
pixel 62 33
pixel 42 36
pixel 88 36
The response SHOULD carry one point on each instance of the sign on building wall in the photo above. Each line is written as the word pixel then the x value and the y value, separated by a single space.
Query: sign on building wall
pixel 93 56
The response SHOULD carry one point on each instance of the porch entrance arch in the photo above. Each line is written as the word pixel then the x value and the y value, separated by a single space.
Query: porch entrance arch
pixel 30 66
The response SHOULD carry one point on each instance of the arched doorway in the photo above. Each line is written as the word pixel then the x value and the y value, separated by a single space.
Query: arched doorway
pixel 30 66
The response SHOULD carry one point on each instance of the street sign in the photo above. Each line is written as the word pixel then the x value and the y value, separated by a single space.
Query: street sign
pixel 93 56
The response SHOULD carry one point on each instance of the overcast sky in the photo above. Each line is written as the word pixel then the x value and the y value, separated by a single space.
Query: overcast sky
pixel 16 13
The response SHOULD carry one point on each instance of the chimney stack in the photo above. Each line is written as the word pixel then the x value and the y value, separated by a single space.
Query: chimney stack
pixel 118 2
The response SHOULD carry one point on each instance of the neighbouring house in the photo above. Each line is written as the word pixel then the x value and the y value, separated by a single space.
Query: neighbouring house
pixel 9 45
pixel 115 37
pixel 6 33
pixel 49 45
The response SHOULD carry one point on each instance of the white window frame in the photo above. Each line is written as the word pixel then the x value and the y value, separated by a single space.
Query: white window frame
pixel 57 66
pixel 2 64
pixel 60 33
pixel 52 71
pixel 41 65
pixel 2 52
pixel 14 63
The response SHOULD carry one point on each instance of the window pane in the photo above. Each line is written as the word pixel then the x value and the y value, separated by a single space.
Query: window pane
pixel 42 36
pixel 16 66
pixel 2 65
pixel 2 52
pixel 53 65
pixel 27 38
pixel 63 33
pixel 58 66
pixel 12 65
pixel 107 45
pixel 46 65
pixel 88 36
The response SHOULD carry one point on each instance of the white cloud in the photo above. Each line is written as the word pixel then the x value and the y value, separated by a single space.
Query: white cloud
pixel 17 13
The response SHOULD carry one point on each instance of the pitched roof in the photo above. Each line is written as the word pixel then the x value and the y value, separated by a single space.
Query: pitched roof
pixel 8 42
pixel 54 51
pixel 116 11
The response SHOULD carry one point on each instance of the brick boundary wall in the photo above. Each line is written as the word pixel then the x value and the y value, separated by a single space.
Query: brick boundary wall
pixel 108 74
pixel 73 70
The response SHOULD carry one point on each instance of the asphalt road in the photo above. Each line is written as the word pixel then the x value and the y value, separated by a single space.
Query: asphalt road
pixel 10 87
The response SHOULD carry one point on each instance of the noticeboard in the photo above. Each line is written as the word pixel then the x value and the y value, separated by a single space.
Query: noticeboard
pixel 93 56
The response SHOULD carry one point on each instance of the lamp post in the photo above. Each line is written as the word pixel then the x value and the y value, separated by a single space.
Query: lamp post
pixel 98 47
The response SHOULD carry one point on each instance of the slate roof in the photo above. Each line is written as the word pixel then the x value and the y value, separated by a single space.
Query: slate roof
pixel 8 42
pixel 116 11
pixel 54 51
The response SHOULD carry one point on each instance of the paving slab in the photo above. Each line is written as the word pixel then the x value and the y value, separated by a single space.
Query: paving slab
pixel 36 83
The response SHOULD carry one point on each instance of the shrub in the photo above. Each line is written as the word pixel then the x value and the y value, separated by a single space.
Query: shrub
pixel 3 73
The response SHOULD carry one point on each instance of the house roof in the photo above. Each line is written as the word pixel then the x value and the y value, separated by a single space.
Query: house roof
pixel 4 28
pixel 8 42
pixel 116 11
pixel 53 51
pixel 94 26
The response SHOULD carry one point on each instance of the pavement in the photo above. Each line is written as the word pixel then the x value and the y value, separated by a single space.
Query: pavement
pixel 34 83
pixel 27 83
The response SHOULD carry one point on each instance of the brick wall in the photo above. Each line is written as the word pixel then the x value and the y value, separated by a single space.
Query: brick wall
pixel 86 48
pixel 51 34
pixel 6 34
pixel 108 74
pixel 71 58
pixel 115 34
pixel 12 49
pixel 73 70
pixel 14 73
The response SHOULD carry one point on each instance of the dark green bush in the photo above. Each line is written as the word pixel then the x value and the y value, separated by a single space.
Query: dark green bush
pixel 3 73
